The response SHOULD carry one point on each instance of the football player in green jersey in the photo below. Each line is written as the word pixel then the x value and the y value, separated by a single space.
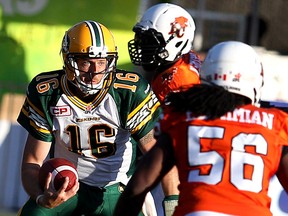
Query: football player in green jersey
pixel 91 114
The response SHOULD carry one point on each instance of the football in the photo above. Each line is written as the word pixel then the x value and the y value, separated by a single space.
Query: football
pixel 60 168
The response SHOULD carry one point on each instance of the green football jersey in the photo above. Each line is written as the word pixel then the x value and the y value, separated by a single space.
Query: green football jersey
pixel 98 137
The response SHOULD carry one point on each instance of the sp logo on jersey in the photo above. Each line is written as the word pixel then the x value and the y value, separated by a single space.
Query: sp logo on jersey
pixel 60 110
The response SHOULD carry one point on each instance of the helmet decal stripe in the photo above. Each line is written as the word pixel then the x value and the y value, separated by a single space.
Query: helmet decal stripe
pixel 96 33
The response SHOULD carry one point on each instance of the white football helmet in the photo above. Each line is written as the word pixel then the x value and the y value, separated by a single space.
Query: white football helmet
pixel 235 66
pixel 164 33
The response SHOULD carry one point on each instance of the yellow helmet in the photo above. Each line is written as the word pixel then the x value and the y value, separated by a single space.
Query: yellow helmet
pixel 88 39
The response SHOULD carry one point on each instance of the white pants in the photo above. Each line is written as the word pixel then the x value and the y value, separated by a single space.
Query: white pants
pixel 149 208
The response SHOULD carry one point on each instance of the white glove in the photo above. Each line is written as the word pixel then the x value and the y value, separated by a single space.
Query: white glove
pixel 169 204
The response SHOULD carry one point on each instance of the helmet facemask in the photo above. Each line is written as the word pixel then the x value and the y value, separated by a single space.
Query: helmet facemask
pixel 147 47
pixel 86 87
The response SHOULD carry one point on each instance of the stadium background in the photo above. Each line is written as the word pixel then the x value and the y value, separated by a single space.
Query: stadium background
pixel 31 32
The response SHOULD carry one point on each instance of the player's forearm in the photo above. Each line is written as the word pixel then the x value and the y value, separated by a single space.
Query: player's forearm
pixel 132 198
pixel 282 173
pixel 170 182
pixel 128 204
pixel 34 154
pixel 29 177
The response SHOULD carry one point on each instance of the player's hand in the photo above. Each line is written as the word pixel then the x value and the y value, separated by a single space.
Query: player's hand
pixel 52 198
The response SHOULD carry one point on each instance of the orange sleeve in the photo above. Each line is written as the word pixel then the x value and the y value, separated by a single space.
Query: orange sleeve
pixel 178 77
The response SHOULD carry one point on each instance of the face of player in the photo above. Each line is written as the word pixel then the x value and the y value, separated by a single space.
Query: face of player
pixel 92 70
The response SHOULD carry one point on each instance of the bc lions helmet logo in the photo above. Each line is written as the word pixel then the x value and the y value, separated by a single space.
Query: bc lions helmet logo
pixel 178 26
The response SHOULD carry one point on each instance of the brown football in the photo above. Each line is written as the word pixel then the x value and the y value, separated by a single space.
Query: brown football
pixel 60 168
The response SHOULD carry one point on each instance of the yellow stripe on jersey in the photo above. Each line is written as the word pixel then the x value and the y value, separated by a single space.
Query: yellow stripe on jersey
pixel 81 104
pixel 148 118
pixel 140 106
pixel 24 111
pixel 39 112
pixel 42 130
pixel 70 95
pixel 142 113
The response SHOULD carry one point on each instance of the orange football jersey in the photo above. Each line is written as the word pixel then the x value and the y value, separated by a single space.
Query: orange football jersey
pixel 225 164
pixel 184 73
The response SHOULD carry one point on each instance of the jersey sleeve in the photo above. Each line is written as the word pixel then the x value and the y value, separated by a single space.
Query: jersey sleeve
pixel 139 106
pixel 34 114
pixel 181 75
pixel 166 121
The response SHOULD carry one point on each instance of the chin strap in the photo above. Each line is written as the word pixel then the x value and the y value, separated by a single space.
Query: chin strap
pixel 169 204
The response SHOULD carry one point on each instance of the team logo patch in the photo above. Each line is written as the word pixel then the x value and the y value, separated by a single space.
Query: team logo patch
pixel 88 109
pixel 168 76
pixel 60 110
pixel 65 43
pixel 178 26
pixel 121 188
pixel 236 77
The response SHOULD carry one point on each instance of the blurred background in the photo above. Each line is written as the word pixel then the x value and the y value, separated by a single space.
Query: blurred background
pixel 31 32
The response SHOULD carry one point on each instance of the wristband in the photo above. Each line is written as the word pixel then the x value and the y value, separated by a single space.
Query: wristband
pixel 38 198
pixel 171 197
pixel 169 203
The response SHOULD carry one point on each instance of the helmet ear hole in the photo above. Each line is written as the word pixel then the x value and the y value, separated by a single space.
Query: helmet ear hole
pixel 178 44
